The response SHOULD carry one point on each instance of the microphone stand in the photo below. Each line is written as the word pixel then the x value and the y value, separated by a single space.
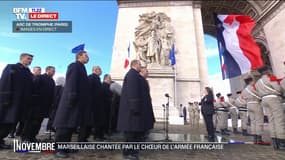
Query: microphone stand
pixel 164 117
pixel 166 120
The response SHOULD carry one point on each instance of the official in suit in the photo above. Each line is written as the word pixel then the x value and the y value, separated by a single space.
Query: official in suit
pixel 15 95
pixel 73 110
pixel 207 108
pixel 43 94
pixel 135 112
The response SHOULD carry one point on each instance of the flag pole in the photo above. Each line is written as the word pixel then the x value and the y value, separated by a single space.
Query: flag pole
pixel 175 86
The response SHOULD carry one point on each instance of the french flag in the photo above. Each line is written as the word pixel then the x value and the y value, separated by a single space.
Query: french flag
pixel 238 51
pixel 127 61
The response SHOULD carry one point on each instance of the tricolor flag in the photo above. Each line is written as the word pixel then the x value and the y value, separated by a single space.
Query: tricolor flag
pixel 127 61
pixel 237 49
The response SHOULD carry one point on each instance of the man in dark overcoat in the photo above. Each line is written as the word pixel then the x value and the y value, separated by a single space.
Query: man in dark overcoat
pixel 97 102
pixel 135 114
pixel 43 94
pixel 107 100
pixel 73 110
pixel 15 95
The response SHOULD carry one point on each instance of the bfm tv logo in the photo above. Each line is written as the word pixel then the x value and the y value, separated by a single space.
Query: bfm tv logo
pixel 34 14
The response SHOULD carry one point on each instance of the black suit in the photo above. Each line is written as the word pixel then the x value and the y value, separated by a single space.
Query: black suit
pixel 15 96
pixel 207 109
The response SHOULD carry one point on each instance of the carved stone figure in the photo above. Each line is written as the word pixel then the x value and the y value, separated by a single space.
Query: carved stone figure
pixel 154 37
pixel 153 48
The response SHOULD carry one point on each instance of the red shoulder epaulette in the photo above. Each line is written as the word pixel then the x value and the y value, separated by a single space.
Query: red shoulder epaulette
pixel 274 78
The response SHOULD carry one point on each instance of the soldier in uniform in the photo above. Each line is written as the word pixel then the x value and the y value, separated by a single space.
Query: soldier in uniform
pixel 222 116
pixel 269 89
pixel 255 110
pixel 216 102
pixel 241 104
pixel 196 114
pixel 191 113
pixel 233 112
pixel 15 95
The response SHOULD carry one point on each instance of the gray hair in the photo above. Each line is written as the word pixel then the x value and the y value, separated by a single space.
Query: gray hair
pixel 60 81
pixel 116 88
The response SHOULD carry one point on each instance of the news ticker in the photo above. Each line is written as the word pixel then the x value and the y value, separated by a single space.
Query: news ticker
pixel 42 26
pixel 39 20
pixel 49 147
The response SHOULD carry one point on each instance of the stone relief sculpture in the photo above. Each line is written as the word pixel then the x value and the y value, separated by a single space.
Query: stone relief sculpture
pixel 154 37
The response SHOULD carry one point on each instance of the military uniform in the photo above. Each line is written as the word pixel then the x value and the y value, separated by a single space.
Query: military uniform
pixel 282 83
pixel 215 113
pixel 233 112
pixel 191 114
pixel 241 104
pixel 255 111
pixel 270 91
pixel 196 114
pixel 222 116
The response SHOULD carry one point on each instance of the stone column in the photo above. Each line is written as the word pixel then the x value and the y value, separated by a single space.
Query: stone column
pixel 200 45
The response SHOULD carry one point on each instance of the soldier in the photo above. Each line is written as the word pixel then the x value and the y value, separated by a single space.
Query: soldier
pixel 268 88
pixel 191 113
pixel 255 110
pixel 233 112
pixel 196 114
pixel 241 104
pixel 15 95
pixel 222 116
pixel 73 110
pixel 216 101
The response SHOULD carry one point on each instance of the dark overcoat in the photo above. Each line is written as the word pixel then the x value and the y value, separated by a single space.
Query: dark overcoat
pixel 135 111
pixel 96 100
pixel 15 93
pixel 207 105
pixel 44 87
pixel 74 105
pixel 107 100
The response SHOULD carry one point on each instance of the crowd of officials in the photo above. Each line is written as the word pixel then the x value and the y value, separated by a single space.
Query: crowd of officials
pixel 259 97
pixel 80 103
pixel 84 104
